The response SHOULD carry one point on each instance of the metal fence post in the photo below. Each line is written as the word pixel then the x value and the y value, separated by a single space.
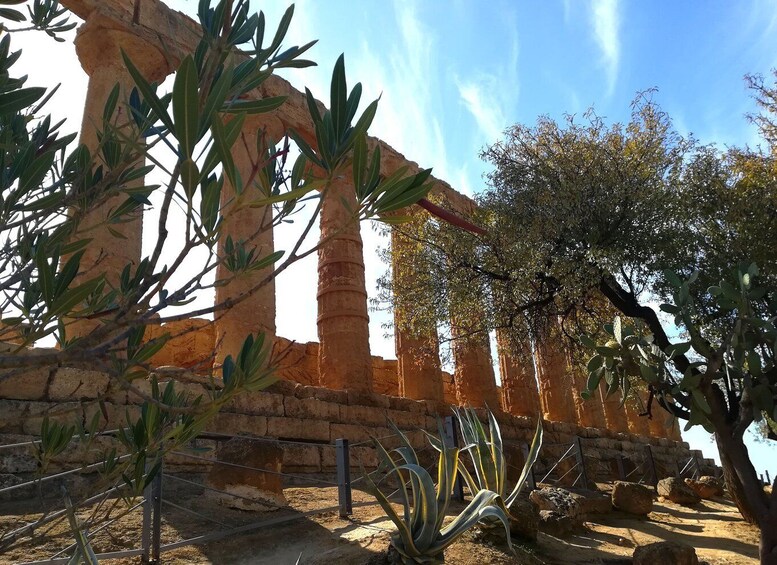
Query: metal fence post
pixel 530 480
pixel 651 465
pixel 343 459
pixel 581 461
pixel 768 478
pixel 156 531
pixel 452 435
pixel 621 468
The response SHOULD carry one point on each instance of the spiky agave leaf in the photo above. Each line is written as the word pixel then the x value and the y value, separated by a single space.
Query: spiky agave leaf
pixel 531 457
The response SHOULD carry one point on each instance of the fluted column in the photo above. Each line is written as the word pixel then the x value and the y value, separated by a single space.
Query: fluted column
pixel 614 413
pixel 99 52
pixel 256 313
pixel 418 355
pixel 344 360
pixel 590 413
pixel 639 425
pixel 520 396
pixel 473 375
pixel 553 377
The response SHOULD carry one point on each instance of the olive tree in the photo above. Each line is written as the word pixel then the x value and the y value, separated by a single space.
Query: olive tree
pixel 584 220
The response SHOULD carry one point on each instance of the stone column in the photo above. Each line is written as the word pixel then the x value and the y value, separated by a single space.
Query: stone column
pixel 590 413
pixel 674 432
pixel 418 352
pixel 344 360
pixel 639 425
pixel 555 383
pixel 519 386
pixel 256 313
pixel 657 424
pixel 614 413
pixel 474 370
pixel 99 52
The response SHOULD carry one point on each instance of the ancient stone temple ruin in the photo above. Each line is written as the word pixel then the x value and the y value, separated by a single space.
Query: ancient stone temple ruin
pixel 333 388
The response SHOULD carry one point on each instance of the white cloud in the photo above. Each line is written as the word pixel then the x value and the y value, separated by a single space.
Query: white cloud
pixel 481 100
pixel 489 97
pixel 605 18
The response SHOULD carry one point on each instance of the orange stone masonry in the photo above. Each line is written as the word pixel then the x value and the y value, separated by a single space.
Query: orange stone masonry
pixel 418 356
pixel 157 40
pixel 555 382
pixel 99 51
pixel 520 395
pixel 343 322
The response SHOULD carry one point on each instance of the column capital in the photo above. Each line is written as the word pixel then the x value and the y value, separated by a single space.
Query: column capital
pixel 99 45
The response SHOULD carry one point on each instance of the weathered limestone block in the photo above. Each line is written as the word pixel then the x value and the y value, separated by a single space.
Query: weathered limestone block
pixel 633 498
pixel 298 429
pixel 556 500
pixel 30 384
pixel 190 344
pixel 75 384
pixel 312 408
pixel 254 311
pixel 298 361
pixel 385 380
pixel 230 423
pixel 449 389
pixel 254 489
pixel 706 487
pixel 520 395
pixel 677 491
pixel 668 552
pixel 99 50
pixel 344 360
pixel 324 394
pixel 257 403
pixel 614 413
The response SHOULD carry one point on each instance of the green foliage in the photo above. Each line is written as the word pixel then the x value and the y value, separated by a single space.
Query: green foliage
pixel 742 363
pixel 487 454
pixel 421 537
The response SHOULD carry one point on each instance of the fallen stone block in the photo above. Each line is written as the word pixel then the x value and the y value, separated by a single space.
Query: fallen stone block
pixel 633 498
pixel 706 487
pixel 675 489
pixel 665 553
pixel 247 487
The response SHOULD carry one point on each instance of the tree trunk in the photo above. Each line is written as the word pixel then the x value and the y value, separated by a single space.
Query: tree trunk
pixel 734 485
pixel 753 503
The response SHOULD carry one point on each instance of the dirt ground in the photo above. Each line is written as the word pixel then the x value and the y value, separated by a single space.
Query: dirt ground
pixel 714 528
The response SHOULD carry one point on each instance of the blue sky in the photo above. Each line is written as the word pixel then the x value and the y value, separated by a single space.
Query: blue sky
pixel 454 74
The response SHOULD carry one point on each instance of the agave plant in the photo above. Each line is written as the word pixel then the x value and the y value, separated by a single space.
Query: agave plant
pixel 421 537
pixel 487 454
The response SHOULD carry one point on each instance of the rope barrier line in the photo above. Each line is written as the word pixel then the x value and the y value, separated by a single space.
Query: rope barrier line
pixel 239 466
pixel 37 441
pixel 193 512
pixel 212 435
pixel 557 462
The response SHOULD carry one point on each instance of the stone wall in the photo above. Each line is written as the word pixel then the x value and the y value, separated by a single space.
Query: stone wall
pixel 313 415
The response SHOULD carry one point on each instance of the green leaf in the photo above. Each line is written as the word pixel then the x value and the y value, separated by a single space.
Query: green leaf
pixel 338 93
pixel 254 106
pixel 148 93
pixel 186 106
pixel 648 373
pixel 190 177
pixel 17 100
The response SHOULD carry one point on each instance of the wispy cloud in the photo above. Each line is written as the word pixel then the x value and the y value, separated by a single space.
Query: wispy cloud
pixel 605 19
pixel 489 97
